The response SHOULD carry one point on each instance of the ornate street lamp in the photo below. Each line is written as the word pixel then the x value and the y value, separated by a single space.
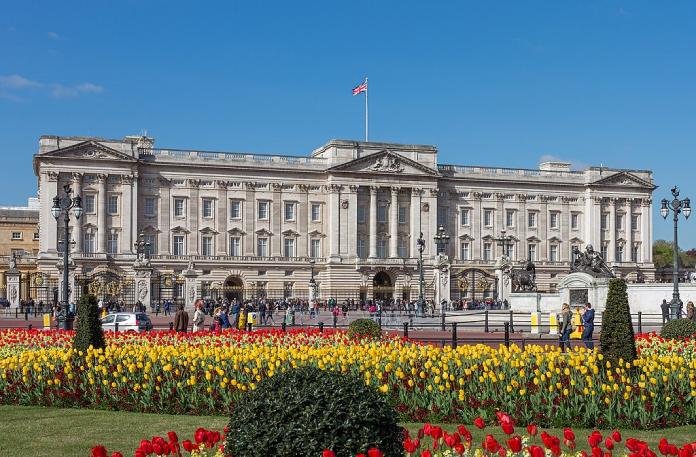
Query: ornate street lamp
pixel 441 240
pixel 506 241
pixel 312 281
pixel 420 242
pixel 63 206
pixel 676 206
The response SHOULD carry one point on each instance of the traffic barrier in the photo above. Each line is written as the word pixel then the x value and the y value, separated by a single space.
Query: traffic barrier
pixel 553 324
pixel 535 318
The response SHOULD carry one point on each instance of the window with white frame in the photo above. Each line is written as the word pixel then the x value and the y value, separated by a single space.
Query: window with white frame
pixel 442 215
pixel 619 222
pixel 150 244
pixel 604 221
pixel 36 235
pixel 382 248
pixel 487 251
pixel 603 251
pixel 619 253
pixel 262 212
pixel 553 253
pixel 572 249
pixel 316 212
pixel 532 219
pixel 150 206
pixel 532 252
pixel 510 218
pixel 235 209
pixel 207 245
pixel 178 245
pixel 112 204
pixel 362 251
pixel 179 207
pixel 635 252
pixel 208 208
pixel 553 220
pixel 315 247
pixel 361 214
pixel 235 246
pixel 289 212
pixel 465 250
pixel 381 214
pixel 464 216
pixel 635 222
pixel 402 214
pixel 402 248
pixel 575 221
pixel 88 204
pixel 488 217
pixel 289 247
pixel 16 235
pixel 88 243
pixel 112 243
pixel 262 247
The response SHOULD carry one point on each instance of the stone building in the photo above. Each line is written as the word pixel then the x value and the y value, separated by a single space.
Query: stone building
pixel 245 224
pixel 19 237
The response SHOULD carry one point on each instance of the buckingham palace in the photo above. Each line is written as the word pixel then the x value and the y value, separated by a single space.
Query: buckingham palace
pixel 348 215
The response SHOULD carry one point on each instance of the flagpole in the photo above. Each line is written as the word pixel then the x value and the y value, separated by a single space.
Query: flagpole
pixel 367 88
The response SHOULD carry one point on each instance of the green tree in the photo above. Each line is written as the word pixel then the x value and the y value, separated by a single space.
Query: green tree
pixel 663 255
pixel 617 340
pixel 88 330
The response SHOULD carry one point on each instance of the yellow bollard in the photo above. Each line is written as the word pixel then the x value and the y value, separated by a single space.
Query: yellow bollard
pixel 553 324
pixel 535 323
pixel 47 321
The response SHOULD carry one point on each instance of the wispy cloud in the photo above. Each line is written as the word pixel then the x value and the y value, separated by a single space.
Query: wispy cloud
pixel 12 85
pixel 54 36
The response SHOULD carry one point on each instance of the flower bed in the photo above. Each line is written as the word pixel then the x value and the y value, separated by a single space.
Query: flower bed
pixel 205 373
pixel 652 345
pixel 433 441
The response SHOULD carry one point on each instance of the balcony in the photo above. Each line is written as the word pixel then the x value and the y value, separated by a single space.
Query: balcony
pixel 237 259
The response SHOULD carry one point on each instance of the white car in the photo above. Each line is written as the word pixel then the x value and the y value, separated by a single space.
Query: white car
pixel 127 322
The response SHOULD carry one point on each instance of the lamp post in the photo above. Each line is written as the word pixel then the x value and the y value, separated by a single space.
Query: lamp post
pixel 441 242
pixel 420 242
pixel 506 242
pixel 312 282
pixel 676 206
pixel 63 206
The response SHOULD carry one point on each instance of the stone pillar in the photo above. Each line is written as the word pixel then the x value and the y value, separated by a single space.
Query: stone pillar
pixel 190 287
pixel 127 219
pixel 48 225
pixel 164 243
pixel 249 244
pixel 432 222
pixel 143 285
pixel 303 216
pixel 193 245
pixel 221 219
pixel 611 248
pixel 334 221
pixel 520 250
pixel 373 222
pixel 101 214
pixel 645 235
pixel 12 281
pixel 277 215
pixel 135 219
pixel 352 222
pixel 442 280
pixel 77 224
pixel 394 223
pixel 476 223
pixel 416 195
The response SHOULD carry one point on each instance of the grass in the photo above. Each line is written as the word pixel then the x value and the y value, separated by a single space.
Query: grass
pixel 55 432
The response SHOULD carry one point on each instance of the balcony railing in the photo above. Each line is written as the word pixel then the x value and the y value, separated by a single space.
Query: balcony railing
pixel 232 156
pixel 243 258
pixel 473 170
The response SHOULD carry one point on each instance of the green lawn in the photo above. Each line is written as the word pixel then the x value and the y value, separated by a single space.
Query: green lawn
pixel 53 432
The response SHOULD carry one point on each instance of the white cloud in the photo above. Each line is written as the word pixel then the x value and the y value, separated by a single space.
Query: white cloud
pixel 17 82
pixel 54 36
pixel 90 88
pixel 11 97
pixel 62 91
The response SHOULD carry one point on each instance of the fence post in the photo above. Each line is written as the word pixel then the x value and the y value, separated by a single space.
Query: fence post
pixel 171 326
pixel 116 327
pixel 640 322
pixel 17 314
pixel 405 329
pixel 454 335
pixel 512 325
pixel 379 319
pixel 321 327
pixel 26 315
pixel 249 327
pixel 30 326
pixel 284 326
pixel 507 334
pixel 485 321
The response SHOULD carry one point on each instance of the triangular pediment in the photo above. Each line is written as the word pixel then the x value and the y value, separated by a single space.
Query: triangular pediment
pixel 236 231
pixel 208 231
pixel 384 162
pixel 180 229
pixel 623 179
pixel 91 150
pixel 290 233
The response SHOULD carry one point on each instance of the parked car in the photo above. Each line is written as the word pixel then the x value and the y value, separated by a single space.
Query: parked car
pixel 127 322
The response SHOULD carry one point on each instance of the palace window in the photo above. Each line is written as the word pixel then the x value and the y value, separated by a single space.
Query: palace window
pixel 316 212
pixel 208 208
pixel 88 204
pixel 289 212
pixel 150 244
pixel 178 246
pixel 314 248
pixel 604 221
pixel 382 214
pixel 553 253
pixel 619 222
pixel 263 210
pixel 403 247
pixel 289 247
pixel 488 217
pixel 88 243
pixel 553 220
pixel 532 252
pixel 635 252
pixel 487 251
pixel 149 206
pixel 207 245
pixel 179 207
pixel 619 253
pixel 361 214
pixel 36 235
pixel 603 251
pixel 16 235
pixel 635 222
pixel 465 251
pixel 235 246
pixel 575 221
pixel 262 247
pixel 112 204
pixel 532 219
pixel 464 216
pixel 362 251
pixel 112 243
pixel 382 248
pixel 510 218
pixel 235 209
pixel 402 214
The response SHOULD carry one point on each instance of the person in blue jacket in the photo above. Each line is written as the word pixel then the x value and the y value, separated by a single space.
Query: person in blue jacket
pixel 588 326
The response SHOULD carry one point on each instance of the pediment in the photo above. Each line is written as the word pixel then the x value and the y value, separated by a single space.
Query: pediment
pixel 554 239
pixel 180 229
pixel 466 237
pixel 316 234
pixel 575 240
pixel 624 179
pixel 236 231
pixel 209 231
pixel 290 233
pixel 90 150
pixel 263 232
pixel 384 162
pixel 533 239
pixel 488 238
pixel 150 228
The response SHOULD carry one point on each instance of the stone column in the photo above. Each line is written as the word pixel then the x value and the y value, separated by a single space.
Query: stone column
pixel 101 214
pixel 127 219
pixel 394 223
pixel 476 222
pixel 77 224
pixel 303 216
pixel 143 285
pixel 249 219
pixel 373 222
pixel 135 219
pixel 352 222
pixel 334 220
pixel 48 225
pixel 193 245
pixel 416 195
pixel 277 215
pixel 520 250
pixel 164 243
pixel 12 281
pixel 645 235
pixel 190 288
pixel 611 248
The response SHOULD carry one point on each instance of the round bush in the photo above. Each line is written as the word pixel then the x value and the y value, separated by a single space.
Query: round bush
pixel 364 328
pixel 306 410
pixel 679 328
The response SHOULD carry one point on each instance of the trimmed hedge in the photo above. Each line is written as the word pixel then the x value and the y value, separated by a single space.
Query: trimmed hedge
pixel 88 330
pixel 679 328
pixel 617 340
pixel 364 328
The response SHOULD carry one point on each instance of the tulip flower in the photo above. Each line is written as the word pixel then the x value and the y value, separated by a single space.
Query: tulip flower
pixel 479 423
pixel 515 444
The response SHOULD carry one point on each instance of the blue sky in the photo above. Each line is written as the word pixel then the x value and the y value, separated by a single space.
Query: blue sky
pixel 493 83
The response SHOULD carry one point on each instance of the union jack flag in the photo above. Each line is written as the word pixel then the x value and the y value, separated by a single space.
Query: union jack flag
pixel 362 87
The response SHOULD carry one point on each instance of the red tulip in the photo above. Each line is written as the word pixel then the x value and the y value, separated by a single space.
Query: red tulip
pixel 200 436
pixel 459 448
pixel 173 438
pixel 435 432
pixel 515 444
pixel 502 452
pixel 508 429
pixel 409 446
pixel 188 445
pixel 146 447
pixel 616 436
pixel 490 444
pixel 596 452
pixel 568 434
pixel 532 430
pixel 360 455
pixel 328 453
pixel 374 452
pixel 426 453
pixel 116 454
pixel 536 451
pixel 139 453
pixel 99 451
pixel 427 428
pixel 464 432
pixel 609 444
pixel 478 422
pixel 663 446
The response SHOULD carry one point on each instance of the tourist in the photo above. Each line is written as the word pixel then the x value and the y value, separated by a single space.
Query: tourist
pixel 217 321
pixel 690 311
pixel 235 314
pixel 198 317
pixel 566 326
pixel 588 326
pixel 262 313
pixel 665 311
pixel 181 319
pixel 167 308
pixel 224 318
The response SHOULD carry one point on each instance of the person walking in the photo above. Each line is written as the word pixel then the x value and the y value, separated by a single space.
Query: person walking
pixel 181 319
pixel 198 318
pixel 588 326
pixel 690 311
pixel 665 311
pixel 566 327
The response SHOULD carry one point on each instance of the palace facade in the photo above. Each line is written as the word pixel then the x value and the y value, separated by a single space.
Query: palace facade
pixel 350 213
